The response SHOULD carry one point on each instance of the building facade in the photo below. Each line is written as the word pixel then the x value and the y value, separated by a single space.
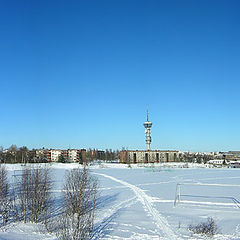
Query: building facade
pixel 148 156
pixel 53 155
pixel 71 155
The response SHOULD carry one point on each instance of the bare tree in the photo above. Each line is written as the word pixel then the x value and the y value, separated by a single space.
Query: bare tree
pixel 24 193
pixel 40 196
pixel 5 202
pixel 34 194
pixel 79 196
pixel 1 155
pixel 23 154
pixel 12 151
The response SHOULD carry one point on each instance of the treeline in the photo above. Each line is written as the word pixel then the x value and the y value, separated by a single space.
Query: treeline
pixel 16 154
pixel 195 157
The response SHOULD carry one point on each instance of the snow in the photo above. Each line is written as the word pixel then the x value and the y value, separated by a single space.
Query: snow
pixel 138 202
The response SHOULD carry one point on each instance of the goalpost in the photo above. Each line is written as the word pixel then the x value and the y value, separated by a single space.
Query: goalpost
pixel 179 194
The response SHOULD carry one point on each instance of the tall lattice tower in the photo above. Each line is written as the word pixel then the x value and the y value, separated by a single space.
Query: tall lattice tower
pixel 148 126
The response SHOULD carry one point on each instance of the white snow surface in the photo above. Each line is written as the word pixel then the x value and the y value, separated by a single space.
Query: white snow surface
pixel 138 202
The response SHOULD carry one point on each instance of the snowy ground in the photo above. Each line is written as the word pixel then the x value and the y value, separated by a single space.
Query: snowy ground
pixel 138 202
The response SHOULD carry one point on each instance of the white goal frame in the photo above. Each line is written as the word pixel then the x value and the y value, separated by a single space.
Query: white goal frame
pixel 178 191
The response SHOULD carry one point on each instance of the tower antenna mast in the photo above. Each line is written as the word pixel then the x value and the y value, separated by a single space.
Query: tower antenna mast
pixel 148 126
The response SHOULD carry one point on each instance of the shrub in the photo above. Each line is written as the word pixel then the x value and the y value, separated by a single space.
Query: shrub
pixel 208 228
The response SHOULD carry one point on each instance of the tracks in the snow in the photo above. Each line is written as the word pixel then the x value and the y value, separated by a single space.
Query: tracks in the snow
pixel 146 201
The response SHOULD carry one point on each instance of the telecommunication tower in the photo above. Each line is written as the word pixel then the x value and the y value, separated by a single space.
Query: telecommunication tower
pixel 148 126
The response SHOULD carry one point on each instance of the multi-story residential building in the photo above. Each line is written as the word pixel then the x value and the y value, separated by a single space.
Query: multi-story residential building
pixel 148 156
pixel 71 155
pixel 41 154
pixel 53 155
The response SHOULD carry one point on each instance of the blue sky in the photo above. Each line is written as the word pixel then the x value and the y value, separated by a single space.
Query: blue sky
pixel 82 74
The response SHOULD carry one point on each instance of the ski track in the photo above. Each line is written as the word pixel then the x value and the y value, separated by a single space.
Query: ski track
pixel 146 201
pixel 107 216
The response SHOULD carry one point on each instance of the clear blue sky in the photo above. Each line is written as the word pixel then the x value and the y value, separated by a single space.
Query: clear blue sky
pixel 82 74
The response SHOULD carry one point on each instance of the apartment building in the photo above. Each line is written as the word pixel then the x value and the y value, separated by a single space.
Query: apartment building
pixel 71 155
pixel 53 155
pixel 148 156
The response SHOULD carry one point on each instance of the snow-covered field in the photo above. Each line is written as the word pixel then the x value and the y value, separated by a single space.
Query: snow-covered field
pixel 138 202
